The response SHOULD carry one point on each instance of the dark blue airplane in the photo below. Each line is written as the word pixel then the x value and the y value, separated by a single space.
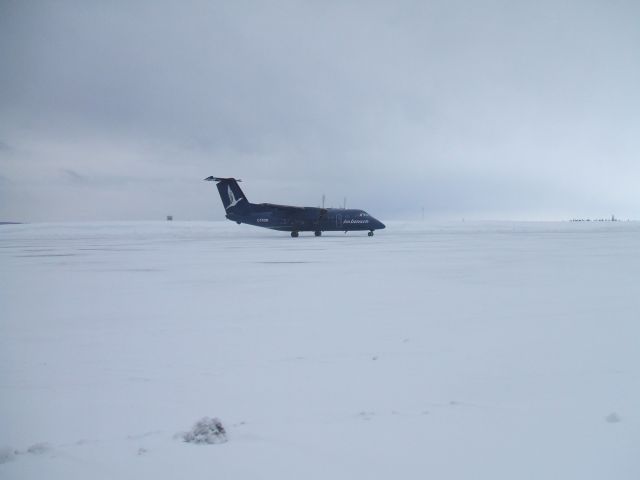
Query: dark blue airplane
pixel 290 219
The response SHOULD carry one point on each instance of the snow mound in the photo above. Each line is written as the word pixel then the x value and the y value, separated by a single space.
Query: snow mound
pixel 206 431
pixel 6 455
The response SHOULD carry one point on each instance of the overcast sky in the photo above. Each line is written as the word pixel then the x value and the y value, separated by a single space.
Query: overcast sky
pixel 476 109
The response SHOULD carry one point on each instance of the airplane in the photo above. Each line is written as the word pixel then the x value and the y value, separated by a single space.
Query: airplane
pixel 290 219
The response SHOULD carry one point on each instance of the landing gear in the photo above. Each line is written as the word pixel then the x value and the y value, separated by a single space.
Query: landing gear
pixel 318 233
pixel 294 234
pixel 371 233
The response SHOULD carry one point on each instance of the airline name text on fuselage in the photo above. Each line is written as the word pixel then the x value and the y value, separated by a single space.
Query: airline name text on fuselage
pixel 353 220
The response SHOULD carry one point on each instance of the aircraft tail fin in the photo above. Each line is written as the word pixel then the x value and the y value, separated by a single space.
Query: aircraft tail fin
pixel 232 196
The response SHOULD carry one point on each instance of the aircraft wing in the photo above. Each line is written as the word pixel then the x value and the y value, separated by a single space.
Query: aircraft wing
pixel 287 208
pixel 297 212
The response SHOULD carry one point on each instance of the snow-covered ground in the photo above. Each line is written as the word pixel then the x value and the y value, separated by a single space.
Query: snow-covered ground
pixel 460 351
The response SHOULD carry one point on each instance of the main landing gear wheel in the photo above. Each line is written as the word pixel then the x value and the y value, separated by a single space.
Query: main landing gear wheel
pixel 371 233
pixel 318 233
pixel 294 234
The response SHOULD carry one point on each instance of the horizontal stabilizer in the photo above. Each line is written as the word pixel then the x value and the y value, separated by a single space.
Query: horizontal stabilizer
pixel 217 179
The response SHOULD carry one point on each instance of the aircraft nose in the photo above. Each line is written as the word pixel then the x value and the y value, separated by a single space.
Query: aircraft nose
pixel 380 225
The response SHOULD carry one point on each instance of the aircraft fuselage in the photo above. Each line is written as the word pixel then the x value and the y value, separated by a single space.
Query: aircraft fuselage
pixel 306 219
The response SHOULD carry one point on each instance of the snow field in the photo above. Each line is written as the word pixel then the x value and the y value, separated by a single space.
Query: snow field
pixel 469 350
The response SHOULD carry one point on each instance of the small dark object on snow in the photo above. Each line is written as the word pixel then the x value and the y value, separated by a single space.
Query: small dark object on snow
pixel 612 418
pixel 39 448
pixel 207 431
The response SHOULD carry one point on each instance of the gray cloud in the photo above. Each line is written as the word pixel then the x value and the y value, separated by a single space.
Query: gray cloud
pixel 72 176
pixel 477 109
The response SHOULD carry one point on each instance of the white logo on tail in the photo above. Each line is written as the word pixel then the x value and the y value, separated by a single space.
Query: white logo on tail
pixel 232 198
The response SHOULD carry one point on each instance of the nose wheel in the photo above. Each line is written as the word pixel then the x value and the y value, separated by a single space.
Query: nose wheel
pixel 294 234
pixel 318 233
pixel 371 233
